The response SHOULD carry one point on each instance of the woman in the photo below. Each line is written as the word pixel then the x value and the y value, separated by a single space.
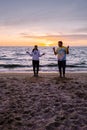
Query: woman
pixel 35 59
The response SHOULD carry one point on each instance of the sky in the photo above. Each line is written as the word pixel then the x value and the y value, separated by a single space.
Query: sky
pixel 43 22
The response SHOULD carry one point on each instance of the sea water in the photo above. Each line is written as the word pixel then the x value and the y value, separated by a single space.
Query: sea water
pixel 15 59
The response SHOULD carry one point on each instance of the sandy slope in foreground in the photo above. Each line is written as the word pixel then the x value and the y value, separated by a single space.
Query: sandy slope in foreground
pixel 43 103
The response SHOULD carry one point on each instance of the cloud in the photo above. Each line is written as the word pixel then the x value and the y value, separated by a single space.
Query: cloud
pixel 72 39
pixel 47 12
pixel 81 30
pixel 71 36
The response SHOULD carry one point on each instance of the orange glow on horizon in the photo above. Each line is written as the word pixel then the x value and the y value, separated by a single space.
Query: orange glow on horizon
pixel 19 43
pixel 16 40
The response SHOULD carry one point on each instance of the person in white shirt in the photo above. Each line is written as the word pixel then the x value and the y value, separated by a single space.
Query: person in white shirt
pixel 35 54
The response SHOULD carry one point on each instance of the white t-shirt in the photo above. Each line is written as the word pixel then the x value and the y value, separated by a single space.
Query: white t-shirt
pixel 35 55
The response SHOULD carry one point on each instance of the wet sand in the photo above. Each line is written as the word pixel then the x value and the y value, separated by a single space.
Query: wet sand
pixel 46 102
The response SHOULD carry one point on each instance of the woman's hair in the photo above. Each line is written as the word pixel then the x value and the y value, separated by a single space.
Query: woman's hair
pixel 35 48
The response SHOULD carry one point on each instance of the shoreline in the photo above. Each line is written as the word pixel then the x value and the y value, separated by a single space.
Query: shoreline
pixel 41 72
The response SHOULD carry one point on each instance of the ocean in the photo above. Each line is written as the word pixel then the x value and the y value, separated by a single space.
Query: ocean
pixel 15 59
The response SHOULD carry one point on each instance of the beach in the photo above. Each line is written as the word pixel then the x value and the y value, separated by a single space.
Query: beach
pixel 46 102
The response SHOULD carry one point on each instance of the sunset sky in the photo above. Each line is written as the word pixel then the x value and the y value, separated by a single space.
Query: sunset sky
pixel 43 22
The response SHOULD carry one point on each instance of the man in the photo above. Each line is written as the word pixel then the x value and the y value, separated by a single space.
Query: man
pixel 61 51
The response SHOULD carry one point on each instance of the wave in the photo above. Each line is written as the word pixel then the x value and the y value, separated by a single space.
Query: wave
pixel 13 66
pixel 70 66
pixel 76 66
pixel 5 59
pixel 47 65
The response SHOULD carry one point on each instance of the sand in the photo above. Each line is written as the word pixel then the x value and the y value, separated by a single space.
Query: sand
pixel 43 103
